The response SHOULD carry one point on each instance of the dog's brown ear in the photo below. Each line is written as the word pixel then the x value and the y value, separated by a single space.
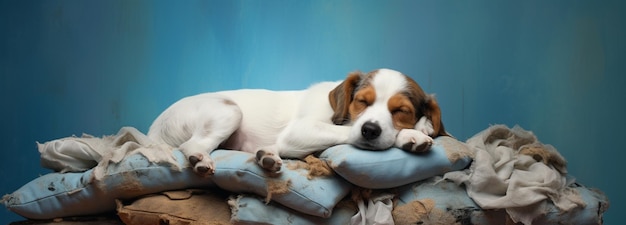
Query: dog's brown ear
pixel 341 97
pixel 433 112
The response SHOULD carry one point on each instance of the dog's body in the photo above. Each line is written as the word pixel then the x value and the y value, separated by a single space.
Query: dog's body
pixel 373 111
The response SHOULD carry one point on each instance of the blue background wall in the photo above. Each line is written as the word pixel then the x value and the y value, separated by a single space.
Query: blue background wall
pixel 556 68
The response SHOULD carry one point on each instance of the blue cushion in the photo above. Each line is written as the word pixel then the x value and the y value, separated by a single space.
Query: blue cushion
pixel 238 172
pixel 74 194
pixel 247 209
pixel 395 167
pixel 57 195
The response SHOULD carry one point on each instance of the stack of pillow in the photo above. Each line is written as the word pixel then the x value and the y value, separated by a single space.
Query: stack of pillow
pixel 293 191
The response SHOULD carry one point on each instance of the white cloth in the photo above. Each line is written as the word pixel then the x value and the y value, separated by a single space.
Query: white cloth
pixel 502 178
pixel 376 212
pixel 77 154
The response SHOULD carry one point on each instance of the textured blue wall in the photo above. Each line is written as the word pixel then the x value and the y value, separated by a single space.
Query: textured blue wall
pixel 556 68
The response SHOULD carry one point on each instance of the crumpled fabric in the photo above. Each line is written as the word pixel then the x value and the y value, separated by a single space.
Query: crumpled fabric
pixel 78 154
pixel 512 170
pixel 376 212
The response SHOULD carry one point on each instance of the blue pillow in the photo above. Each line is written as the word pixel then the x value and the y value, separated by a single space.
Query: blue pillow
pixel 74 194
pixel 395 167
pixel 238 172
pixel 247 209
pixel 57 195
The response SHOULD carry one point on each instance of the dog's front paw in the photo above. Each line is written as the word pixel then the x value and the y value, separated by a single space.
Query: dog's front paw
pixel 269 161
pixel 202 164
pixel 413 140
pixel 425 126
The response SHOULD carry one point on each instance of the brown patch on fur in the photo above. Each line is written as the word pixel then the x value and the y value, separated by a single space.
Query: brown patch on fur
pixel 426 105
pixel 433 112
pixel 341 97
pixel 363 98
pixel 402 112
pixel 415 91
pixel 276 187
pixel 422 212
pixel 228 102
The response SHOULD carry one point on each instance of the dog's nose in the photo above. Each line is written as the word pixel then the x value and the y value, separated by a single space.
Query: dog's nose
pixel 370 130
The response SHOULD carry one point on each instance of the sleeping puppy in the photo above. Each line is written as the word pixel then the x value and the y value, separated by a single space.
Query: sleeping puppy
pixel 375 111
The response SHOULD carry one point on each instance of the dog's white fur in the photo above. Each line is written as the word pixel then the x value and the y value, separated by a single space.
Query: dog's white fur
pixel 275 124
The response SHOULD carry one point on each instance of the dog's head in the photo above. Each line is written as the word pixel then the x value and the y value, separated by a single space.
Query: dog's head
pixel 381 103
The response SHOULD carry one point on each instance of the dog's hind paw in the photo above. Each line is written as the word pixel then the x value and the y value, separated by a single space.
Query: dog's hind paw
pixel 202 164
pixel 269 161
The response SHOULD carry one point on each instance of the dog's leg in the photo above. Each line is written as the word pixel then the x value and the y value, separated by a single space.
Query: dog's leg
pixel 219 124
pixel 418 139
pixel 299 139
pixel 306 136
pixel 196 126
